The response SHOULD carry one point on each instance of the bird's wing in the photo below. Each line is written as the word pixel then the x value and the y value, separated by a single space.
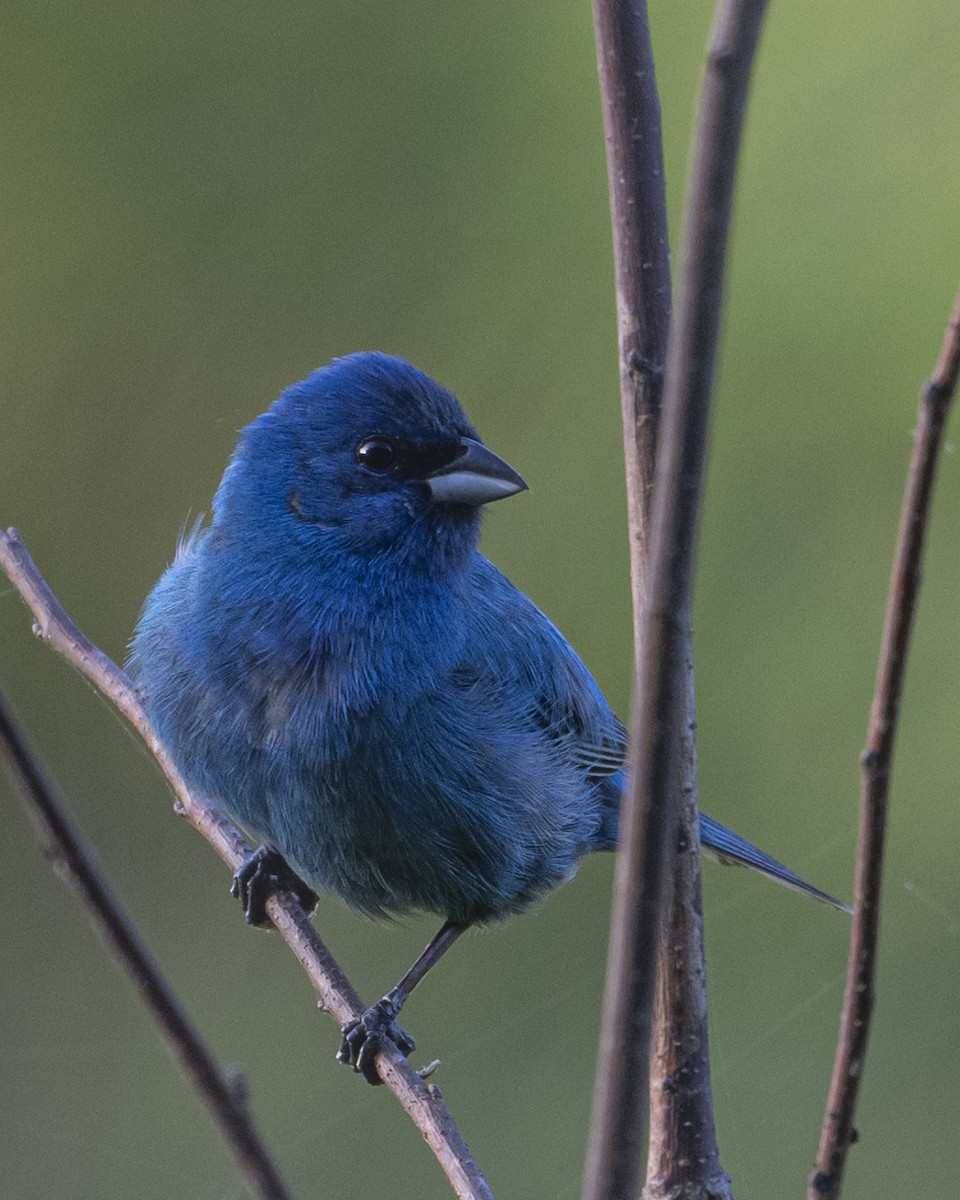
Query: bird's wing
pixel 545 684
pixel 586 734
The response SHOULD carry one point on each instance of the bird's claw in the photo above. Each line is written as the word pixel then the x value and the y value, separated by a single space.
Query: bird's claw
pixel 264 874
pixel 363 1039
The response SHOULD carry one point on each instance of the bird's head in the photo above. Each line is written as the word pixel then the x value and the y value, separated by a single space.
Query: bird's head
pixel 369 454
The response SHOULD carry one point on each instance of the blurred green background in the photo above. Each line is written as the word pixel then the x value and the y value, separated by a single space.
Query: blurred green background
pixel 201 203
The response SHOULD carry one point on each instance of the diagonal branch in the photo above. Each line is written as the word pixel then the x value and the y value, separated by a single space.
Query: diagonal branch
pixel 423 1104
pixel 224 1099
pixel 837 1131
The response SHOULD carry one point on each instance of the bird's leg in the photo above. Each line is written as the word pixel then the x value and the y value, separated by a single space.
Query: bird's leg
pixel 262 874
pixel 363 1038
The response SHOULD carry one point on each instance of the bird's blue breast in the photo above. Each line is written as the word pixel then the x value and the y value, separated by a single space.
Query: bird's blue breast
pixel 377 743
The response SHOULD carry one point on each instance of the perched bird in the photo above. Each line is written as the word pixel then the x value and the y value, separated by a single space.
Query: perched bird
pixel 336 665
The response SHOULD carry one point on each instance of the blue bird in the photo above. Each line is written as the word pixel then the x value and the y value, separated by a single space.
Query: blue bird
pixel 337 666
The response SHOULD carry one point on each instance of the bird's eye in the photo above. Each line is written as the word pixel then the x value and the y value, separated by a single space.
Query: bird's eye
pixel 377 454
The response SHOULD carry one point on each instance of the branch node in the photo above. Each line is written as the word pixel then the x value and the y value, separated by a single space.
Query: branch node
pixel 238 1086
pixel 642 367
pixel 870 758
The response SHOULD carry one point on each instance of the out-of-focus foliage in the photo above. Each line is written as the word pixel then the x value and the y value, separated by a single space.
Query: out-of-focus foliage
pixel 201 202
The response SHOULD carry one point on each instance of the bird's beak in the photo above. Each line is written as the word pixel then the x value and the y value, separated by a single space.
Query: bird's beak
pixel 475 476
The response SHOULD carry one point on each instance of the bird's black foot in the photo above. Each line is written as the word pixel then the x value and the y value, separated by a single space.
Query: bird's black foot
pixel 363 1040
pixel 265 874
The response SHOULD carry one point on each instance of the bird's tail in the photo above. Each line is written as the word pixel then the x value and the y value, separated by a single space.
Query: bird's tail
pixel 725 846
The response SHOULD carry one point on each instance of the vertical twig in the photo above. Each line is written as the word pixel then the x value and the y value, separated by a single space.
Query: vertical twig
pixel 224 1098
pixel 424 1105
pixel 635 174
pixel 641 251
pixel 684 1160
pixel 876 765
pixel 662 700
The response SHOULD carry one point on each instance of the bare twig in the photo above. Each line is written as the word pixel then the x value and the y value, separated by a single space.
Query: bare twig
pixel 641 252
pixel 680 1113
pixel 222 1097
pixel 631 119
pixel 876 763
pixel 423 1104
pixel 662 699
pixel 684 1160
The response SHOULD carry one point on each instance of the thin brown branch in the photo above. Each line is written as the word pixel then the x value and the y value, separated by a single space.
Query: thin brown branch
pixel 641 252
pixel 684 1160
pixel 662 707
pixel 423 1104
pixel 837 1131
pixel 682 1137
pixel 631 121
pixel 224 1099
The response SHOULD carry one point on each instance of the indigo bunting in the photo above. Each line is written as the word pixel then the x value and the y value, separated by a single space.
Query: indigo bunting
pixel 336 665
